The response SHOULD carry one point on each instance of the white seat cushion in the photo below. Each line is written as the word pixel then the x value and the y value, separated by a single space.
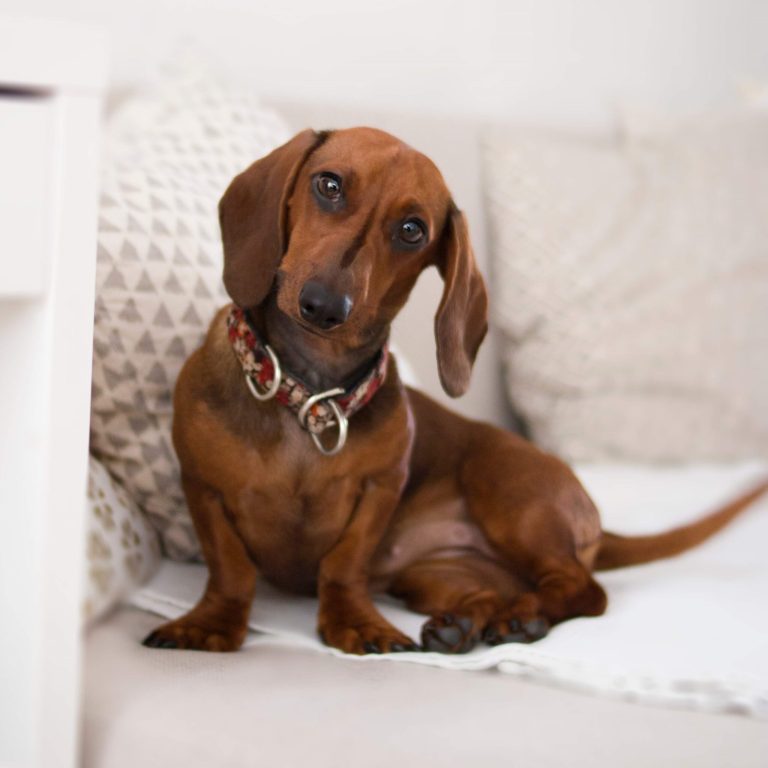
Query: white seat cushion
pixel 286 707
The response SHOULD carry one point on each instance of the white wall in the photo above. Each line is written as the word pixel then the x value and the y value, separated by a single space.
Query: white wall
pixel 492 58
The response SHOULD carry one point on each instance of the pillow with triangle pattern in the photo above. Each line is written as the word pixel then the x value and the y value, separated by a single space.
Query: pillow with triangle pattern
pixel 122 548
pixel 170 152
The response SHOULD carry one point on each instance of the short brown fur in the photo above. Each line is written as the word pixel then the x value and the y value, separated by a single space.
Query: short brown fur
pixel 467 523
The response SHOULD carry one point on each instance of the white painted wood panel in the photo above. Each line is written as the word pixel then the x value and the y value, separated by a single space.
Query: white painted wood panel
pixel 26 159
pixel 49 153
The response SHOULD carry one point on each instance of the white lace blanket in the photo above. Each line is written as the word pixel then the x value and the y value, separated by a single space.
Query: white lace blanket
pixel 688 632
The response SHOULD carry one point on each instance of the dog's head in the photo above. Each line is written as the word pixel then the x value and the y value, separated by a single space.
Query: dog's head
pixel 340 224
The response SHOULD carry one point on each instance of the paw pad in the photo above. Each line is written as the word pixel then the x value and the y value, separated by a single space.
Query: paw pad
pixel 515 630
pixel 449 634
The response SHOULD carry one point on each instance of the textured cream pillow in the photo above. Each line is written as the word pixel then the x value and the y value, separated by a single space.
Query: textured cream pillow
pixel 170 153
pixel 122 548
pixel 630 281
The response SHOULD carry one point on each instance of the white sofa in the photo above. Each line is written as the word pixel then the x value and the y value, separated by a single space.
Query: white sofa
pixel 280 706
pixel 287 707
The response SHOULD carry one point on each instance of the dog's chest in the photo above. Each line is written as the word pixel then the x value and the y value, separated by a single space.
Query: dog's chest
pixel 290 505
pixel 289 514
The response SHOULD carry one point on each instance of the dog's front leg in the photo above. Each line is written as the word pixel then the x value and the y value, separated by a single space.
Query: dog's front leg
pixel 347 618
pixel 219 621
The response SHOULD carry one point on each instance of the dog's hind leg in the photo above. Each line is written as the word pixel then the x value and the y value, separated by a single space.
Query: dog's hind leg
pixel 544 527
pixel 539 546
pixel 460 593
pixel 563 589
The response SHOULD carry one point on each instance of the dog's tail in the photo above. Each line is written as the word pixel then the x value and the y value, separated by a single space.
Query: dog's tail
pixel 619 551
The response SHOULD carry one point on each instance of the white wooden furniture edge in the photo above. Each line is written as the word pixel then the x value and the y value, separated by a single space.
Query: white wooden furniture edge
pixel 51 78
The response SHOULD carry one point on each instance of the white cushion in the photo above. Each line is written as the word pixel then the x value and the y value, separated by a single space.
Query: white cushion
pixel 630 283
pixel 276 706
pixel 122 548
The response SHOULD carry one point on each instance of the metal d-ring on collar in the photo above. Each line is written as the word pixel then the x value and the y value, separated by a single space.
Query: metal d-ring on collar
pixel 274 386
pixel 341 420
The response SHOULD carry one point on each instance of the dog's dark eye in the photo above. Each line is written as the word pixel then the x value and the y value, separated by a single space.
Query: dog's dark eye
pixel 328 185
pixel 412 231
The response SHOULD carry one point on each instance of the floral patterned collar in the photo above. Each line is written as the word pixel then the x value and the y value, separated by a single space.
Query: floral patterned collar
pixel 316 411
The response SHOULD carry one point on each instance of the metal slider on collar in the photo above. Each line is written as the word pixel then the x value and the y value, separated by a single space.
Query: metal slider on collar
pixel 340 420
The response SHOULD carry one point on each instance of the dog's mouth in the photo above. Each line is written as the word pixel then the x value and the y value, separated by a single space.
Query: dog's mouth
pixel 319 332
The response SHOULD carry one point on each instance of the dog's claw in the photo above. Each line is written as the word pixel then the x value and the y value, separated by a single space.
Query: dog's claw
pixel 492 637
pixel 155 640
pixel 191 636
pixel 515 630
pixel 365 638
pixel 404 647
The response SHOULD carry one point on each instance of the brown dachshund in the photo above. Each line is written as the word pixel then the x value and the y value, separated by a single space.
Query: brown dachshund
pixel 468 524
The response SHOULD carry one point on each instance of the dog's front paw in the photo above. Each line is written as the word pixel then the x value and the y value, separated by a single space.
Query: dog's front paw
pixel 372 637
pixel 195 636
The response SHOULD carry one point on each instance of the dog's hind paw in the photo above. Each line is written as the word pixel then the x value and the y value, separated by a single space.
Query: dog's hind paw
pixel 514 629
pixel 449 633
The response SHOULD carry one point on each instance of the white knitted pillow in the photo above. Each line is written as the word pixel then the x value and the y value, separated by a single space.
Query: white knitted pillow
pixel 122 548
pixel 630 282
pixel 169 156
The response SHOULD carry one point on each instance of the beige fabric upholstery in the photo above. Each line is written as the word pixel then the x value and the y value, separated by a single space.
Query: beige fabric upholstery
pixel 293 708
pixel 630 282
pixel 122 548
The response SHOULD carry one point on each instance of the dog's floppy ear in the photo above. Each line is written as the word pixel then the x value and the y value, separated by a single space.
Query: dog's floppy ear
pixel 462 317
pixel 253 220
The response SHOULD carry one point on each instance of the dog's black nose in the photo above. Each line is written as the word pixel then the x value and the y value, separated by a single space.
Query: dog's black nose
pixel 321 307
